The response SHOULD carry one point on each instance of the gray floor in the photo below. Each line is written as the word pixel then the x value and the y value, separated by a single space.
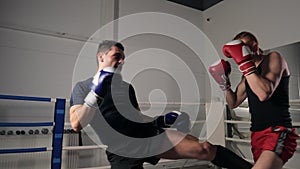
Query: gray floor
pixel 182 164
pixel 198 167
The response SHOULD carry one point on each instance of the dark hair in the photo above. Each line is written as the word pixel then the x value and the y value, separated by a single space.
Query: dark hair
pixel 106 45
pixel 245 34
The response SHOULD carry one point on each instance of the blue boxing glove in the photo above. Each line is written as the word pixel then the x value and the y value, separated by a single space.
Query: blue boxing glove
pixel 99 86
pixel 174 119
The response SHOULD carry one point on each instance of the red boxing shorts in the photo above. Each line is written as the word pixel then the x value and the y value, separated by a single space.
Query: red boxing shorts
pixel 278 139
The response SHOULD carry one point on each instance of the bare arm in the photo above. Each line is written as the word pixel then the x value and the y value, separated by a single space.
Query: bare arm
pixel 80 116
pixel 235 98
pixel 272 70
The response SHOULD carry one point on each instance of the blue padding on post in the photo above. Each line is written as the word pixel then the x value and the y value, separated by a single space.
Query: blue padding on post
pixel 28 98
pixel 58 136
pixel 26 124
pixel 22 150
pixel 59 119
pixel 56 160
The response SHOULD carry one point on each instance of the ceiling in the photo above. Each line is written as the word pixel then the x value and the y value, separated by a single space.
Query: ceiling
pixel 201 5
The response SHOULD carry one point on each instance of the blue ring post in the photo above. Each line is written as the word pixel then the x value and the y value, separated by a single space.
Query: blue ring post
pixel 59 119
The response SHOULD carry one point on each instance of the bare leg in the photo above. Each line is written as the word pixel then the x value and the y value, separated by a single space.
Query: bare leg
pixel 268 160
pixel 189 147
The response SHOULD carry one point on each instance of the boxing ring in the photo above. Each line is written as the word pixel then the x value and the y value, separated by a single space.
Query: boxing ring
pixel 237 136
pixel 57 126
pixel 35 133
pixel 45 138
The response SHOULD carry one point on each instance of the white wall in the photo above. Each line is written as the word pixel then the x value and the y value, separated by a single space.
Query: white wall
pixel 40 42
pixel 138 44
pixel 275 22
pixel 36 65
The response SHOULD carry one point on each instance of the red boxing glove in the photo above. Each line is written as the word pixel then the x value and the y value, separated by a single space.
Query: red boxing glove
pixel 220 72
pixel 241 55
